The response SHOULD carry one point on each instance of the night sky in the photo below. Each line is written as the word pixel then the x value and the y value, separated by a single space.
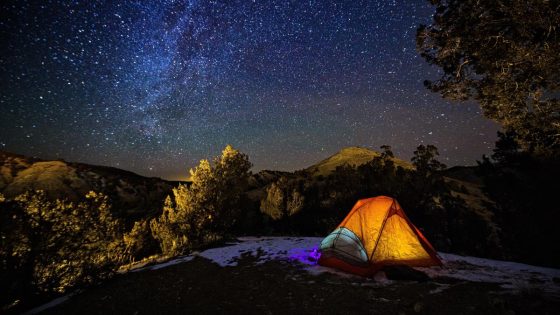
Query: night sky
pixel 155 86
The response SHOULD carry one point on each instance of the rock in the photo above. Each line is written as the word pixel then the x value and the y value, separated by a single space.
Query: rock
pixel 401 272
pixel 418 307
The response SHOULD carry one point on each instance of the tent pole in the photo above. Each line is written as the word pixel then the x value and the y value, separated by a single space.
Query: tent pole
pixel 381 229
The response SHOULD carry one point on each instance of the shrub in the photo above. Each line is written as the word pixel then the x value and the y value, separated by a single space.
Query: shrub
pixel 51 246
pixel 208 208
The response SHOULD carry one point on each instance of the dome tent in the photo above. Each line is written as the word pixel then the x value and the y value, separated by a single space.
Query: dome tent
pixel 376 233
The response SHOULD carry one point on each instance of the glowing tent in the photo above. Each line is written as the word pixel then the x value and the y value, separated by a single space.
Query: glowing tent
pixel 376 233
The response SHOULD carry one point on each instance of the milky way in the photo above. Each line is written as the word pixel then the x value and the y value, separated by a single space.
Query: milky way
pixel 155 86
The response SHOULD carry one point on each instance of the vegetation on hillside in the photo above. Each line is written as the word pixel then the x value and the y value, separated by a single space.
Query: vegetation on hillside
pixel 352 156
pixel 524 188
pixel 48 247
pixel 51 246
pixel 132 196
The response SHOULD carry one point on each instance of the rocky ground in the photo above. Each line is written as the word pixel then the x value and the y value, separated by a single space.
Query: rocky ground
pixel 279 276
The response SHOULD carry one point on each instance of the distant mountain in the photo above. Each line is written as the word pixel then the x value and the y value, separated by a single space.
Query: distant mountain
pixel 131 195
pixel 462 180
pixel 135 196
pixel 353 156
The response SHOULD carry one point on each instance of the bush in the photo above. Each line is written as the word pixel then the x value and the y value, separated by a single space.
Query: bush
pixel 208 208
pixel 139 242
pixel 51 246
pixel 282 199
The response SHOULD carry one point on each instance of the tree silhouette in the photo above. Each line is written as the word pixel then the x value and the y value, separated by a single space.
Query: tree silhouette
pixel 505 56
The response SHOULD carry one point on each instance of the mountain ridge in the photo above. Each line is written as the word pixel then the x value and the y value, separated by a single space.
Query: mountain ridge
pixel 133 195
pixel 353 156
pixel 136 195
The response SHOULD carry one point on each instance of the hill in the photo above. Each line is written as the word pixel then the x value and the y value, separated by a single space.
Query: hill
pixel 132 195
pixel 461 180
pixel 353 156
pixel 465 184
pixel 135 196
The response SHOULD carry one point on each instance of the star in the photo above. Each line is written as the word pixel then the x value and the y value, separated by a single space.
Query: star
pixel 153 87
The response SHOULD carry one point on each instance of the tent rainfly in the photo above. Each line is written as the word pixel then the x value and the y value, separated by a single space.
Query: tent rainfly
pixel 376 233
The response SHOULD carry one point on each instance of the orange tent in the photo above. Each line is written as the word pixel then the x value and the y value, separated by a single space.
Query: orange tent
pixel 376 233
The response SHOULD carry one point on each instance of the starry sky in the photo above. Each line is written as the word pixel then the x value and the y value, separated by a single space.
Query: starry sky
pixel 155 86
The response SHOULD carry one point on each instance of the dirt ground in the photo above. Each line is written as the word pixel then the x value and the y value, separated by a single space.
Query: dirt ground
pixel 275 287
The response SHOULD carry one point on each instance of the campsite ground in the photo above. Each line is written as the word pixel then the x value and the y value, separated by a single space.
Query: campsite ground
pixel 259 279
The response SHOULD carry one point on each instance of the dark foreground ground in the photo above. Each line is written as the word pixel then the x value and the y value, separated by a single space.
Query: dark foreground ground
pixel 202 287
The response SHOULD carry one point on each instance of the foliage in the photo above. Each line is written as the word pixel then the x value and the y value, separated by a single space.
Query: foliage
pixel 171 229
pixel 425 162
pixel 505 56
pixel 379 176
pixel 524 188
pixel 274 202
pixel 139 242
pixel 208 207
pixel 342 186
pixel 283 199
pixel 51 246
